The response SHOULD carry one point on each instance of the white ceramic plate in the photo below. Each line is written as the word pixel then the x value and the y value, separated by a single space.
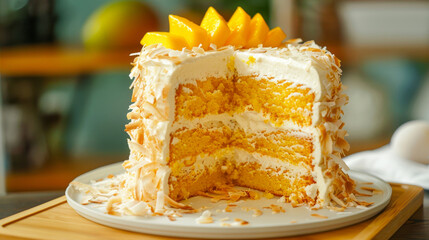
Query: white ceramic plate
pixel 295 221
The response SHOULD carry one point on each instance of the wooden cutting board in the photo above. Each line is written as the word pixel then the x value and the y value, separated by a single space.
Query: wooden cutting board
pixel 57 220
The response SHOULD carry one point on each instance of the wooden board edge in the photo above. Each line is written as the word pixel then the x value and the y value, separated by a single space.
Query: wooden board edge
pixel 27 213
pixel 413 195
pixel 379 228
pixel 10 237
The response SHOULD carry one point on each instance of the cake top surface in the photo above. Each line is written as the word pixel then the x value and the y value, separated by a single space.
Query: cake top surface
pixel 243 36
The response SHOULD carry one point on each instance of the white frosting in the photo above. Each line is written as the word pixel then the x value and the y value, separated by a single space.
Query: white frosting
pixel 267 162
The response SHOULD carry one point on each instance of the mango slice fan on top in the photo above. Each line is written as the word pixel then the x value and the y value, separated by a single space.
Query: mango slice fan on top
pixel 240 31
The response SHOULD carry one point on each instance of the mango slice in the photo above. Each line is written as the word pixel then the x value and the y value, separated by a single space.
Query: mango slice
pixel 193 34
pixel 241 31
pixel 258 31
pixel 168 40
pixel 216 27
pixel 274 38
pixel 239 24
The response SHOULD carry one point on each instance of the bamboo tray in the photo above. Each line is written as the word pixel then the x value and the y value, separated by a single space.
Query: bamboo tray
pixel 57 220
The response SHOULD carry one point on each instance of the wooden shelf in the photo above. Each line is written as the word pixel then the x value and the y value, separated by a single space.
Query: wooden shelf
pixel 353 54
pixel 57 175
pixel 49 61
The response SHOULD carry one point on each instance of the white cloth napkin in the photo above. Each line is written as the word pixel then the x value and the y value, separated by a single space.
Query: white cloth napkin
pixel 384 164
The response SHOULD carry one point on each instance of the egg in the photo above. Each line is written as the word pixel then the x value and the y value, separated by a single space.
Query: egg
pixel 411 141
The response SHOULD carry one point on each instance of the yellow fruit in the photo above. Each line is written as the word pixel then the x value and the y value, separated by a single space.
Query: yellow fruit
pixel 120 24
pixel 193 34
pixel 239 24
pixel 216 27
pixel 274 38
pixel 168 40
pixel 258 31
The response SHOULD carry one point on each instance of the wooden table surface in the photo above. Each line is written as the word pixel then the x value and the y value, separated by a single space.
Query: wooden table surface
pixel 417 227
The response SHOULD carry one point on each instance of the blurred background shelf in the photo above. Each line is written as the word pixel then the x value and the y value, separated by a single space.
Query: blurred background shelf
pixel 353 55
pixel 57 175
pixel 59 61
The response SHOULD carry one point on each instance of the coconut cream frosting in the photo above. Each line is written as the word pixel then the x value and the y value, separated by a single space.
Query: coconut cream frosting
pixel 158 71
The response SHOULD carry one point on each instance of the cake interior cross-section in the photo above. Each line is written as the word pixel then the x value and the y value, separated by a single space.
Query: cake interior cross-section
pixel 265 118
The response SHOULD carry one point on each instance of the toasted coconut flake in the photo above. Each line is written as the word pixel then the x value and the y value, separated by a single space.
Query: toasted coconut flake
pixel 84 188
pixel 253 194
pixel 337 200
pixel 370 189
pixel 282 199
pixel 159 207
pixel 362 194
pixel 227 209
pixel 153 110
pixel 133 115
pixel 268 195
pixel 365 204
pixel 85 200
pixel 240 222
pixel 319 216
pixel 176 204
pixel 205 218
pixel 133 125
pixel 96 200
pixel 256 213
pixel 276 208
pixel 110 203
pixel 235 196
pixel 171 218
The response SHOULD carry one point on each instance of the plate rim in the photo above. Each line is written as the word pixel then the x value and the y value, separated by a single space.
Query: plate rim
pixel 133 223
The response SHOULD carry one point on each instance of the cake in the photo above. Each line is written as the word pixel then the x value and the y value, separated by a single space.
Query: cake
pixel 232 104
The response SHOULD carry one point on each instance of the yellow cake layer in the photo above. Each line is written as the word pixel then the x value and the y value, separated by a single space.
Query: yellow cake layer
pixel 253 176
pixel 188 185
pixel 277 101
pixel 189 182
pixel 212 96
pixel 282 144
pixel 191 142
